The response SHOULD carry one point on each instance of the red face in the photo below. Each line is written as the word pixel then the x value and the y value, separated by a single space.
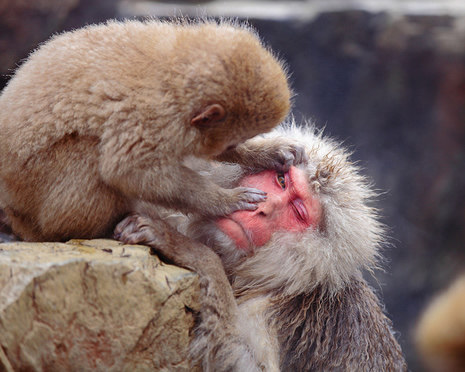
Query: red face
pixel 289 206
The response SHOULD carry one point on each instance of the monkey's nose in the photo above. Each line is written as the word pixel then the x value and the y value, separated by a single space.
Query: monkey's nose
pixel 268 207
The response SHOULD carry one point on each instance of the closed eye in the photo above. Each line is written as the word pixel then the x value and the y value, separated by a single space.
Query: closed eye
pixel 297 213
pixel 300 210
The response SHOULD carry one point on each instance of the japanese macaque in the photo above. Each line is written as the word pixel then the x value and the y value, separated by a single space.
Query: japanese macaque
pixel 282 286
pixel 440 335
pixel 100 119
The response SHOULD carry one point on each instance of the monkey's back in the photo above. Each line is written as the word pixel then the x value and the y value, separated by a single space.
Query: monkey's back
pixel 77 81
pixel 117 86
pixel 53 115
pixel 71 84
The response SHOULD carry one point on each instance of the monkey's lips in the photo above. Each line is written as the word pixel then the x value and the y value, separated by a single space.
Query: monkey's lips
pixel 236 232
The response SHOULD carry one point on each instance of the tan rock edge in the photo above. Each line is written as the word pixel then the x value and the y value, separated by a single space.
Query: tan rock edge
pixel 93 305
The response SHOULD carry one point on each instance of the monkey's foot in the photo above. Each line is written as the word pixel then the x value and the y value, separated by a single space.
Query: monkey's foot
pixel 136 229
pixel 169 244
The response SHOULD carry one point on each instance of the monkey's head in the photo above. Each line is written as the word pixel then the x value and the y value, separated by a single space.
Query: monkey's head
pixel 235 88
pixel 329 253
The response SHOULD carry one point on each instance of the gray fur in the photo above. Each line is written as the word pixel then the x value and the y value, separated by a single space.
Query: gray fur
pixel 301 303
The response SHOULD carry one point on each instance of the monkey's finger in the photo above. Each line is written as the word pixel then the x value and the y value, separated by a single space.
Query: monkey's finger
pixel 258 192
pixel 300 155
pixel 124 225
pixel 138 231
pixel 295 154
pixel 252 195
pixel 245 198
pixel 287 156
pixel 127 236
pixel 244 206
pixel 144 236
pixel 252 190
pixel 287 161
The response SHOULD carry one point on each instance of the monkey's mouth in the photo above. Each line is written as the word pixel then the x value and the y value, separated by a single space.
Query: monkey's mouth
pixel 236 232
pixel 230 148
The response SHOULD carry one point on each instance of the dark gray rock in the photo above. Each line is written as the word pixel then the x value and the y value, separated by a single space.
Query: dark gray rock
pixel 24 24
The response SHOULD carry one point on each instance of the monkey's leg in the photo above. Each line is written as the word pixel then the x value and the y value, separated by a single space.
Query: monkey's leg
pixel 72 201
pixel 218 341
pixel 267 153
pixel 21 225
pixel 58 194
pixel 169 243
pixel 91 213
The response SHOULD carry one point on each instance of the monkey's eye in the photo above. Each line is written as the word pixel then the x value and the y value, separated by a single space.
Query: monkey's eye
pixel 281 180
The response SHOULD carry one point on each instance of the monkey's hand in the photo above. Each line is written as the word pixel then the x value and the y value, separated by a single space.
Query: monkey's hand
pixel 259 153
pixel 282 153
pixel 243 199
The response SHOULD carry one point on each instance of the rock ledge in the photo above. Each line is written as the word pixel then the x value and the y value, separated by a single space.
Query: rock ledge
pixel 93 305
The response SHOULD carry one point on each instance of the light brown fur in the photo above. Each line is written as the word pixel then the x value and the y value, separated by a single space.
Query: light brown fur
pixel 440 335
pixel 301 303
pixel 101 118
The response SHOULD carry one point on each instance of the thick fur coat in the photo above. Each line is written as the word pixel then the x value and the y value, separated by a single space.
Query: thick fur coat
pixel 103 116
pixel 303 304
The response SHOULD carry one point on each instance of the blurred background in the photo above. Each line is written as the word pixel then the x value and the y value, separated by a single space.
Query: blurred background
pixel 387 77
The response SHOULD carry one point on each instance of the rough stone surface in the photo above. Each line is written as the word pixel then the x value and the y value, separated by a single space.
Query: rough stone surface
pixel 93 306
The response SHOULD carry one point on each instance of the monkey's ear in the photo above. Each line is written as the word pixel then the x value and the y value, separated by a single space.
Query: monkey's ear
pixel 210 115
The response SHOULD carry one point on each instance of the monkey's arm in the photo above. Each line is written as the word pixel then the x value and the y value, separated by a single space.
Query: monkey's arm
pixel 260 153
pixel 174 186
pixel 346 331
pixel 217 340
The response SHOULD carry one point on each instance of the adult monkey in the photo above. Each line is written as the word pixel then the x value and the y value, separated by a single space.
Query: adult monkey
pixel 282 286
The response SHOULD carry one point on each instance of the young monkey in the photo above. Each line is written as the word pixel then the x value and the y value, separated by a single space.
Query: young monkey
pixel 100 119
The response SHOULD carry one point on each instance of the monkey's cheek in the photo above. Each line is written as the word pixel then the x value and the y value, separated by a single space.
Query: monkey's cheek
pixel 234 231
